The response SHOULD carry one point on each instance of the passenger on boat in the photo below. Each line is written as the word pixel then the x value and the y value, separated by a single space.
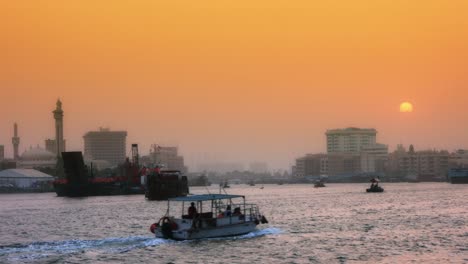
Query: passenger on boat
pixel 192 210
pixel 228 211
pixel 237 211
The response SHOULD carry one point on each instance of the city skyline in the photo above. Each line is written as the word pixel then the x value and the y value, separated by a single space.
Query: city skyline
pixel 247 82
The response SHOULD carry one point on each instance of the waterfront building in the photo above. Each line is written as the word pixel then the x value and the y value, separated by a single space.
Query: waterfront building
pixel 459 159
pixel 344 163
pixel 428 165
pixel 349 140
pixel 374 158
pixel 105 145
pixel 18 179
pixel 168 157
pixel 16 141
pixel 311 165
pixel 2 152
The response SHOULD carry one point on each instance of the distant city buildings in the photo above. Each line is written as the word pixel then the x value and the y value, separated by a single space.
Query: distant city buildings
pixel 258 167
pixel 105 145
pixel 167 157
pixel 2 152
pixel 424 165
pixel 374 158
pixel 459 159
pixel 350 151
pixel 221 167
pixel 311 165
pixel 349 140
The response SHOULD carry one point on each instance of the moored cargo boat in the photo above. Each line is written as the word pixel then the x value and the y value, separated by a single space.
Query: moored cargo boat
pixel 458 176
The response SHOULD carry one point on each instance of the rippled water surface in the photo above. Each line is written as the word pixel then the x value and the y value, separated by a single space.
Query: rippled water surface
pixel 415 223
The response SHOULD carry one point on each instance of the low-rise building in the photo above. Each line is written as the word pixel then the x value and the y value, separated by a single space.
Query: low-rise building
pixel 374 158
pixel 167 157
pixel 311 165
pixel 428 165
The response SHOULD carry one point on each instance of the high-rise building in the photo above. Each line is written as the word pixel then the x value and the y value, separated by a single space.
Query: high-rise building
pixel 167 157
pixel 349 140
pixel 59 141
pixel 16 141
pixel 105 145
pixel 2 152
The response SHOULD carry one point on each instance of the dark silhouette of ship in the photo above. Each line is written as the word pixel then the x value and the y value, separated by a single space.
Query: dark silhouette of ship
pixel 164 184
pixel 128 178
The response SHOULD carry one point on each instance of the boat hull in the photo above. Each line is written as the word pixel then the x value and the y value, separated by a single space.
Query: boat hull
pixel 222 231
pixel 459 180
pixel 375 190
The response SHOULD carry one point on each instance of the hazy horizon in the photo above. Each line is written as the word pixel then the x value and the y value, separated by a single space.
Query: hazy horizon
pixel 241 82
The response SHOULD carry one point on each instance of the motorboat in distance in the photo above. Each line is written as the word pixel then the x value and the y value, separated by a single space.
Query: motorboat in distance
pixel 375 186
pixel 209 216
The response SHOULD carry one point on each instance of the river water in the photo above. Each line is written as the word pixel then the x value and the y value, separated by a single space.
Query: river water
pixel 408 223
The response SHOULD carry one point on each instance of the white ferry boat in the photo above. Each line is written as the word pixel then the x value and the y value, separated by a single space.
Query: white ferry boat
pixel 208 216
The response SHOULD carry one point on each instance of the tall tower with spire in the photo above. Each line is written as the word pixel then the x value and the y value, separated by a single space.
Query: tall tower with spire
pixel 58 116
pixel 15 140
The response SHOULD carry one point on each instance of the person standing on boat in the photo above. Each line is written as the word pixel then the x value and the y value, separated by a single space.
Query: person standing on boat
pixel 192 210
pixel 228 211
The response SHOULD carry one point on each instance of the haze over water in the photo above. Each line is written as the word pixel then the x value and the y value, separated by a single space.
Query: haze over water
pixel 424 222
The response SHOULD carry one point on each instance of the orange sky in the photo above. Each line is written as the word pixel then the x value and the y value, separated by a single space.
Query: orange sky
pixel 239 80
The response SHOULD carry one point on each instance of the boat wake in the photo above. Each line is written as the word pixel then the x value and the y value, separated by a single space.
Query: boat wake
pixel 44 249
pixel 37 250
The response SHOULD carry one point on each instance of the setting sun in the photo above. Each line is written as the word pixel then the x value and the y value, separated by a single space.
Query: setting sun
pixel 406 107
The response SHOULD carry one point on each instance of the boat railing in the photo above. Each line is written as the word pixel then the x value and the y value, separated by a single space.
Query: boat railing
pixel 250 210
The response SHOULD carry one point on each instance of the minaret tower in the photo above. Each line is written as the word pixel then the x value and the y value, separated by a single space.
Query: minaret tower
pixel 58 116
pixel 15 140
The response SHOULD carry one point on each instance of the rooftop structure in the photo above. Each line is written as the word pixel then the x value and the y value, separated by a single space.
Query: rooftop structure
pixel 349 140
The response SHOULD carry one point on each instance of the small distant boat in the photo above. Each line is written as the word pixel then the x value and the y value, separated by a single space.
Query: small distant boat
pixel 375 186
pixel 211 217
pixel 319 184
pixel 458 176
pixel 375 189
pixel 224 185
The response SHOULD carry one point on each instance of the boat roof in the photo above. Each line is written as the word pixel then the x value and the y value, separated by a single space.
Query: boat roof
pixel 205 197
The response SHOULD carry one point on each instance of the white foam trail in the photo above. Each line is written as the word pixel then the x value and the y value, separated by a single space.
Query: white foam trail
pixel 38 250
pixel 76 245
pixel 253 234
